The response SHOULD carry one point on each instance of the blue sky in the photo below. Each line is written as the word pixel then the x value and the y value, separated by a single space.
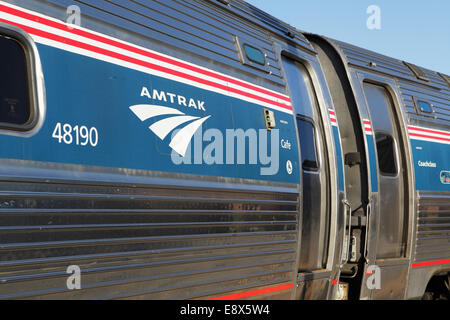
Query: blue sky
pixel 417 31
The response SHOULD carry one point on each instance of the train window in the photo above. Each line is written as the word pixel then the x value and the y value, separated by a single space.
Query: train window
pixel 251 54
pixel 254 54
pixel 14 94
pixel 20 92
pixel 386 154
pixel 307 138
pixel 424 106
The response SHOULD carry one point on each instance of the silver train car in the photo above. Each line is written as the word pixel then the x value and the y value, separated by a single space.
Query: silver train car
pixel 203 149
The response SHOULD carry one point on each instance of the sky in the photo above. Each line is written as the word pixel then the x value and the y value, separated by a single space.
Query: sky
pixel 417 31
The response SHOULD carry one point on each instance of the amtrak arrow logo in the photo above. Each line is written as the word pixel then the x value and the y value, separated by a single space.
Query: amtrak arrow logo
pixel 163 127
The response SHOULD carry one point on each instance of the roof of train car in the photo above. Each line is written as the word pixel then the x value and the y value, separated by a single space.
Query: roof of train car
pixel 354 55
pixel 364 58
pixel 265 20
pixel 203 32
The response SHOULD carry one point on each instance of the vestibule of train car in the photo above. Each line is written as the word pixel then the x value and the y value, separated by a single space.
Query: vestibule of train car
pixel 355 163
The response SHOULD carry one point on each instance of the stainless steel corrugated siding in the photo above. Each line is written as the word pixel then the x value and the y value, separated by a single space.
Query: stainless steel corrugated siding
pixel 440 99
pixel 435 91
pixel 143 242
pixel 433 228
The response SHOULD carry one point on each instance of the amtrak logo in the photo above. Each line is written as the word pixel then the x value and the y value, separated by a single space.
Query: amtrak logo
pixel 445 177
pixel 175 118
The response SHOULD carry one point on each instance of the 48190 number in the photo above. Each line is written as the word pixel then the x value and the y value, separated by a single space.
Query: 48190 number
pixel 79 135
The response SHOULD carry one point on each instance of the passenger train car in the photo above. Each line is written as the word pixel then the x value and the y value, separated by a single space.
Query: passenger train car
pixel 203 149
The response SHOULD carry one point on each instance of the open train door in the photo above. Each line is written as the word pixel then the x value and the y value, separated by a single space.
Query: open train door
pixel 387 262
pixel 314 266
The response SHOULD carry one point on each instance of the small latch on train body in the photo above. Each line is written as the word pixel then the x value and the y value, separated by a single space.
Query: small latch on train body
pixel 352 158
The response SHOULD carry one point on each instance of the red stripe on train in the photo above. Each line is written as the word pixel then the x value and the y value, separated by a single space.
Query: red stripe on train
pixel 428 137
pixel 429 131
pixel 251 293
pixel 429 263
pixel 118 44
pixel 149 65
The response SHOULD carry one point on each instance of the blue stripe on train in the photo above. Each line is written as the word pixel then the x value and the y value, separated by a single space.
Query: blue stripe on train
pixel 339 159
pixel 430 160
pixel 372 163
pixel 88 92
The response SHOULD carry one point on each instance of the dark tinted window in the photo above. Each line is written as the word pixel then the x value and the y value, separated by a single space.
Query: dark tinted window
pixel 14 92
pixel 254 54
pixel 386 154
pixel 307 144
pixel 424 106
